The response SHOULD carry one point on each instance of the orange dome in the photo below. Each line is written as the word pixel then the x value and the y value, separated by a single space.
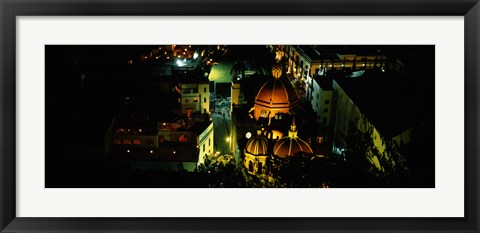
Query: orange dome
pixel 276 95
pixel 290 146
pixel 257 145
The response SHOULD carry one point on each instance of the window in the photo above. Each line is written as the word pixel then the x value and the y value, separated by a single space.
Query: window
pixel 127 141
pixel 117 141
pixel 327 101
pixel 204 89
pixel 260 168
pixel 183 138
pixel 325 110
pixel 187 100
pixel 319 140
pixel 120 131
pixel 203 148
pixel 195 100
pixel 136 141
pixel 209 141
pixel 161 139
pixel 325 120
pixel 204 99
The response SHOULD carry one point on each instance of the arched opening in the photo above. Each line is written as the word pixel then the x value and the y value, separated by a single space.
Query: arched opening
pixel 260 167
pixel 250 166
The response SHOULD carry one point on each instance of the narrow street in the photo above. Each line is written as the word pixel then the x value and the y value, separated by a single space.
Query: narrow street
pixel 221 124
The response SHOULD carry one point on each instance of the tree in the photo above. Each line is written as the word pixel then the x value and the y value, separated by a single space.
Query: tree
pixel 386 164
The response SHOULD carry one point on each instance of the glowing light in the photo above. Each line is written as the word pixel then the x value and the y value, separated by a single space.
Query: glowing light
pixel 228 139
pixel 180 63
pixel 139 130
pixel 195 55
pixel 248 135
pixel 128 151
pixel 151 151
pixel 174 152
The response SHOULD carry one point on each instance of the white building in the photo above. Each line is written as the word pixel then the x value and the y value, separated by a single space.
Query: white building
pixel 195 97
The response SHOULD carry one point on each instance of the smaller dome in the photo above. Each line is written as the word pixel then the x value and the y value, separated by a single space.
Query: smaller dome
pixel 257 145
pixel 290 146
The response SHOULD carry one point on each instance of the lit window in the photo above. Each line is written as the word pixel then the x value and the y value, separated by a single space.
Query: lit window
pixel 195 100
pixel 136 141
pixel 319 139
pixel 120 131
pixel 183 138
pixel 117 141
pixel 127 141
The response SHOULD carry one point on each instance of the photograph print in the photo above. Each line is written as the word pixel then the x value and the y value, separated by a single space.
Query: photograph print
pixel 240 116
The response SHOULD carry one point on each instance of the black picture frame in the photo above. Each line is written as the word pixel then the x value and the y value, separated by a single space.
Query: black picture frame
pixel 9 9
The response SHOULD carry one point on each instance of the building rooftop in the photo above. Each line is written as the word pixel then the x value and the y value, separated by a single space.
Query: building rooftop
pixel 324 82
pixel 391 104
pixel 199 127
pixel 316 54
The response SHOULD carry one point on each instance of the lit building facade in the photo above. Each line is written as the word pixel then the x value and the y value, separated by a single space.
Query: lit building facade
pixel 160 140
pixel 195 97
pixel 322 101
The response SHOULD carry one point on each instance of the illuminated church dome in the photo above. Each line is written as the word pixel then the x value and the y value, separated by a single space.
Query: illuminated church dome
pixel 256 154
pixel 277 95
pixel 257 145
pixel 290 145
